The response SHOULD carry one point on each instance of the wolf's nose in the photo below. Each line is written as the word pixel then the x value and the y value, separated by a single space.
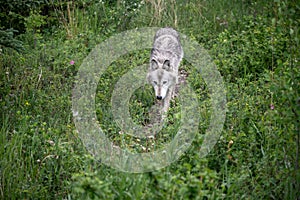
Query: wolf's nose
pixel 159 97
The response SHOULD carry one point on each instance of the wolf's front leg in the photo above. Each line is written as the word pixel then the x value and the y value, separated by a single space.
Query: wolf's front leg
pixel 166 102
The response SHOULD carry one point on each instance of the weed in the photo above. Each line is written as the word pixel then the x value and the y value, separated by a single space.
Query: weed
pixel 255 46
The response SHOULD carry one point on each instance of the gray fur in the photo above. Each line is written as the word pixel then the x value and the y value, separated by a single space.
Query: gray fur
pixel 167 47
pixel 165 59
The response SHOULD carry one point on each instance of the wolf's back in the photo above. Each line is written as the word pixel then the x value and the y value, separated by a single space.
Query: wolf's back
pixel 167 31
pixel 167 39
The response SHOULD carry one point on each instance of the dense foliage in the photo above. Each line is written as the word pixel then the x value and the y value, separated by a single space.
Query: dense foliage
pixel 255 45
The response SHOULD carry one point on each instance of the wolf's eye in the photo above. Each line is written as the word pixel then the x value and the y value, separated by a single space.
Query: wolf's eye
pixel 155 82
pixel 165 82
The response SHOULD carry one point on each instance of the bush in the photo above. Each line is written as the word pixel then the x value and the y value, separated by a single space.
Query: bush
pixel 256 48
pixel 7 40
pixel 248 53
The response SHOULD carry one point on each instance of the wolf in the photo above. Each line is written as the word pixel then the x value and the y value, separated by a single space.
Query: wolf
pixel 166 55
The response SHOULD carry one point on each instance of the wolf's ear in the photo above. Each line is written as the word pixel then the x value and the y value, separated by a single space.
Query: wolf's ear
pixel 167 65
pixel 154 51
pixel 153 64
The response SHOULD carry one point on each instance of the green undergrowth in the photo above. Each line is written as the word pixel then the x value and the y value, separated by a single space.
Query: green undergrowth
pixel 255 46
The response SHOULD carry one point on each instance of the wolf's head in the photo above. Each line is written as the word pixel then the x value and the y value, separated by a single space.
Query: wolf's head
pixel 161 79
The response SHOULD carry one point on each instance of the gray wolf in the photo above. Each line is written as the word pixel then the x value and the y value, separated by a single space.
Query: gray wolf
pixel 165 59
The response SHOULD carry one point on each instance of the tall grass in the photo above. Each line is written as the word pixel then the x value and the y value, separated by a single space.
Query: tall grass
pixel 256 49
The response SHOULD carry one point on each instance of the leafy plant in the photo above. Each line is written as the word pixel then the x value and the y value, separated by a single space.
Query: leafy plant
pixel 7 40
pixel 255 46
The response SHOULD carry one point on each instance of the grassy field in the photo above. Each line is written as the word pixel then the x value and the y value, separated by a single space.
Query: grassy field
pixel 255 46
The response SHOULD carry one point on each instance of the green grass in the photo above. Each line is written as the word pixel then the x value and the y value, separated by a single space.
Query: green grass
pixel 256 49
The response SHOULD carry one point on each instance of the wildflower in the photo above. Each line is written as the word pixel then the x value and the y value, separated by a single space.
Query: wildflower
pixel 151 136
pixel 27 103
pixel 72 62
pixel 143 148
pixel 52 143
pixel 230 144
pixel 272 107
